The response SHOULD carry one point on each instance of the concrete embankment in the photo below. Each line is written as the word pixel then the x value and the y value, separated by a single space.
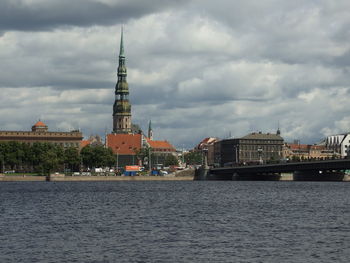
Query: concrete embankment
pixel 118 178
pixel 24 178
pixel 62 178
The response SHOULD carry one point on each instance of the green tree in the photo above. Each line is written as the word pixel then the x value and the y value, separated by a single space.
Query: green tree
pixel 193 158
pixel 171 159
pixel 97 156
pixel 50 161
pixel 72 158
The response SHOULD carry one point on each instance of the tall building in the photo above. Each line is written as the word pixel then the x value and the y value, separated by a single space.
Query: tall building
pixel 122 107
pixel 127 139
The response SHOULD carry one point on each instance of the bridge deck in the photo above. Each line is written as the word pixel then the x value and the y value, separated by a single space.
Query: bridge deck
pixel 342 164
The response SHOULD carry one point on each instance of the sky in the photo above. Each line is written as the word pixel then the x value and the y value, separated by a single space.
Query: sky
pixel 196 68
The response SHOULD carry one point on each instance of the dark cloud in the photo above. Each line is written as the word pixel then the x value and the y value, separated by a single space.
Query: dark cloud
pixel 198 69
pixel 48 15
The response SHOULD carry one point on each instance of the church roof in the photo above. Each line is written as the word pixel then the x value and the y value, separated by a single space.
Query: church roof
pixel 124 144
pixel 39 124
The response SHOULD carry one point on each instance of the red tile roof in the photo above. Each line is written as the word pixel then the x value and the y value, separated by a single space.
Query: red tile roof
pixel 161 145
pixel 84 143
pixel 39 124
pixel 124 144
pixel 298 146
pixel 305 147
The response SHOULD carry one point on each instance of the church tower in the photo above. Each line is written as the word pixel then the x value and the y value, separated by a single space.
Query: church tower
pixel 121 107
pixel 150 131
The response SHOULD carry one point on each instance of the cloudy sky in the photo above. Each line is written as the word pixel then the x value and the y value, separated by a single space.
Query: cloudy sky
pixel 197 68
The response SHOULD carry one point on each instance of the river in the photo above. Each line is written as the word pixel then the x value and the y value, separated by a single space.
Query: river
pixel 175 221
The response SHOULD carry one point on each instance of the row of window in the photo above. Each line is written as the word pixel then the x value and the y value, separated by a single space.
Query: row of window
pixel 261 141
pixel 253 155
pixel 263 147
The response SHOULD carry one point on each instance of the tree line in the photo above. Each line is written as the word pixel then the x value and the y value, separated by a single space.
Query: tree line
pixel 43 158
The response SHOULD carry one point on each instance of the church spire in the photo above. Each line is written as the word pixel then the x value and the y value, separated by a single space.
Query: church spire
pixel 122 107
pixel 150 131
pixel 121 51
pixel 278 129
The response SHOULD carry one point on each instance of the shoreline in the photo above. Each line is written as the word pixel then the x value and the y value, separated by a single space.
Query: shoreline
pixel 62 178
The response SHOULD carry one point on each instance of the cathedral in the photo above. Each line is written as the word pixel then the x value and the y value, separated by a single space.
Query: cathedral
pixel 125 141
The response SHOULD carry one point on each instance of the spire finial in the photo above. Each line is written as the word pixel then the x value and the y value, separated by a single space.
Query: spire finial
pixel 121 52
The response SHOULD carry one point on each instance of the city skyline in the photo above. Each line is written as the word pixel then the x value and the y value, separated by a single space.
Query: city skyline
pixel 195 68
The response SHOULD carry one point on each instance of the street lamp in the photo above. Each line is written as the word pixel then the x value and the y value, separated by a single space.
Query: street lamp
pixel 149 159
pixel 117 148
pixel 260 150
pixel 205 158
pixel 236 153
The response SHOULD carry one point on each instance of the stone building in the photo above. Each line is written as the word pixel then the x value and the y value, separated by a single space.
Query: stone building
pixel 253 148
pixel 40 133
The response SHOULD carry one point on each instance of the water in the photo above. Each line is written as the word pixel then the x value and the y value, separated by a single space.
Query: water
pixel 201 221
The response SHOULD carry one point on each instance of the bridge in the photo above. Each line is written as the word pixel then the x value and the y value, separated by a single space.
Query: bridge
pixel 327 170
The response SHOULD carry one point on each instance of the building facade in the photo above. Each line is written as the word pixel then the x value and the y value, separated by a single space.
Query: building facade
pixel 208 145
pixel 40 133
pixel 122 107
pixel 340 144
pixel 253 148
pixel 125 147
pixel 293 151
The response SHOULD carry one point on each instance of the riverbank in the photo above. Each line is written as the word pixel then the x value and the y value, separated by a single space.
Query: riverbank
pixel 62 178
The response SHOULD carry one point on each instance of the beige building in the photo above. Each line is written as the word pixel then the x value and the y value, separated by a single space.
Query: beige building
pixel 41 133
pixel 306 151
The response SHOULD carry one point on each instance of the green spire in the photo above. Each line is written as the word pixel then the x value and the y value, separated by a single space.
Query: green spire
pixel 121 52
